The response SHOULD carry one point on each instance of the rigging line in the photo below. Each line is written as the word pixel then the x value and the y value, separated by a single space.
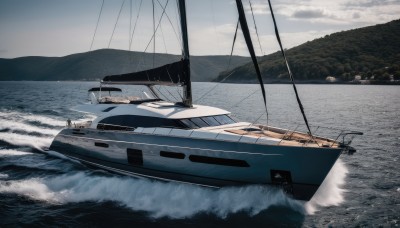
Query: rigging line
pixel 173 28
pixel 177 89
pixel 256 120
pixel 115 26
pixel 215 86
pixel 288 69
pixel 251 94
pixel 154 32
pixel 233 44
pixel 163 38
pixel 177 14
pixel 166 98
pixel 255 26
pixel 97 24
pixel 130 23
pixel 165 88
pixel 229 63
pixel 134 26
pixel 247 37
pixel 215 28
pixel 152 37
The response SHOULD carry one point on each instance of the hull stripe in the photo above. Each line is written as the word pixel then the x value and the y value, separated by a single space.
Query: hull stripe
pixel 181 147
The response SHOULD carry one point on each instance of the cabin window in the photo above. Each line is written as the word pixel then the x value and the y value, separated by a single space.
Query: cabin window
pixel 224 119
pixel 108 109
pixel 207 121
pixel 141 121
pixel 199 122
pixel 99 144
pixel 210 121
pixel 189 124
pixel 135 157
pixel 168 154
pixel 114 127
pixel 218 161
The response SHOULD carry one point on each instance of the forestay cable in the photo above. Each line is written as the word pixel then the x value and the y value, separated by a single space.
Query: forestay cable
pixel 229 63
pixel 119 14
pixel 288 68
pixel 255 26
pixel 97 24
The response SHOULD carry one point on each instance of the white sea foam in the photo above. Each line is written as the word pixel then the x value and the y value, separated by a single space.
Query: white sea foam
pixel 19 116
pixel 159 199
pixel 7 153
pixel 13 126
pixel 3 176
pixel 330 193
pixel 26 140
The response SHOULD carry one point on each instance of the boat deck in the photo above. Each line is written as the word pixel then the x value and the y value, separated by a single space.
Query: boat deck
pixel 289 138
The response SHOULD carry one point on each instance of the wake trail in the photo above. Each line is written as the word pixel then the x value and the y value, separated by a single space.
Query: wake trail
pixel 39 143
pixel 158 198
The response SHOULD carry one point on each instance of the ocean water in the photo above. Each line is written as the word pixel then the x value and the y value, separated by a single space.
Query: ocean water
pixel 44 188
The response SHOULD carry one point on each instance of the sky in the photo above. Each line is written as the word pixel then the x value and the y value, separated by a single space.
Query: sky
pixel 60 27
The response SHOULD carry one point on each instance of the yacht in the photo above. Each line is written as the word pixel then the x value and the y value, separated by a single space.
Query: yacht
pixel 149 137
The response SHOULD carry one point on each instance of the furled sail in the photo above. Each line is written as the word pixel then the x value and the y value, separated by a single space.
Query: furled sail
pixel 169 74
pixel 249 43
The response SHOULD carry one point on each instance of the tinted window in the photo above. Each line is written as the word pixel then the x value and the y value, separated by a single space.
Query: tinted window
pixel 101 144
pixel 141 121
pixel 224 119
pixel 168 154
pixel 108 109
pixel 199 122
pixel 210 121
pixel 189 123
pixel 218 161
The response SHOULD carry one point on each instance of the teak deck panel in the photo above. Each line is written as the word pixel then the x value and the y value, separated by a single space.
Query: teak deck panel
pixel 290 138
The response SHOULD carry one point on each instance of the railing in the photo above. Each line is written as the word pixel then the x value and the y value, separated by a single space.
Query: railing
pixel 288 135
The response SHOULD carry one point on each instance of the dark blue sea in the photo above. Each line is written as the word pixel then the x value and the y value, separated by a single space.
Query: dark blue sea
pixel 43 188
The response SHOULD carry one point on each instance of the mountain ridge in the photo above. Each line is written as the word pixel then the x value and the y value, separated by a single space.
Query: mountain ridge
pixel 368 53
pixel 94 65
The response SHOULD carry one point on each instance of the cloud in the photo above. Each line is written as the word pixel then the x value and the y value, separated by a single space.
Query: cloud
pixel 356 15
pixel 336 13
pixel 309 13
pixel 258 8
pixel 372 3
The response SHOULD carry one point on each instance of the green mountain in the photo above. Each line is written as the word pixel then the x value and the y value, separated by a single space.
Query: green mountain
pixel 370 52
pixel 95 65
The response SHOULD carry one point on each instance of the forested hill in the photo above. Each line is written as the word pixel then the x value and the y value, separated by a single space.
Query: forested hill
pixel 95 65
pixel 370 52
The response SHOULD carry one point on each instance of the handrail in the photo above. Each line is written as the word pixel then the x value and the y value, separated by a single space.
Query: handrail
pixel 354 133
pixel 343 134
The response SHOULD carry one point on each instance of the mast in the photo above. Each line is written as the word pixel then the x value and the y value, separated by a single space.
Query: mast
pixel 187 87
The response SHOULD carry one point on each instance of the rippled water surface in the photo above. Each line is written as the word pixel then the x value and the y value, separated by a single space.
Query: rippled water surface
pixel 39 187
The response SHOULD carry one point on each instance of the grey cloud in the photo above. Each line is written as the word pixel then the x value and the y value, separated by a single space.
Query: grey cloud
pixel 372 3
pixel 309 13
pixel 356 15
